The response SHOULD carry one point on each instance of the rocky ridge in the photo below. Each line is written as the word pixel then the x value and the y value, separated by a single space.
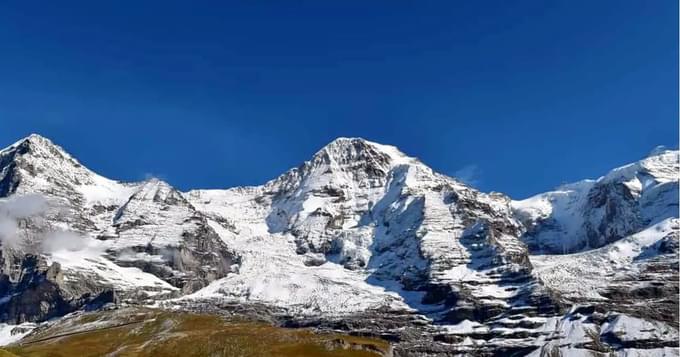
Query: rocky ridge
pixel 362 238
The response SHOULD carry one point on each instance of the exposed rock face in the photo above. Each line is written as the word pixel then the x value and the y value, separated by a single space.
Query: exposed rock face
pixel 34 291
pixel 158 231
pixel 362 238
pixel 145 231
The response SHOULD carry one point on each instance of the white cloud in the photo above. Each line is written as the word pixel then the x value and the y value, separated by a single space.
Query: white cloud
pixel 64 240
pixel 15 208
pixel 32 206
pixel 469 174
pixel 23 206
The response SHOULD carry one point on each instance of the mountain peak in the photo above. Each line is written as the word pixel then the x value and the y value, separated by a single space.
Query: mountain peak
pixel 38 146
pixel 35 139
pixel 344 162
pixel 344 143
pixel 662 165
pixel 347 150
pixel 347 139
pixel 36 163
pixel 157 190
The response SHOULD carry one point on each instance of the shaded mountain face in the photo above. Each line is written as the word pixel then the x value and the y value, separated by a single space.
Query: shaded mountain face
pixel 592 213
pixel 360 232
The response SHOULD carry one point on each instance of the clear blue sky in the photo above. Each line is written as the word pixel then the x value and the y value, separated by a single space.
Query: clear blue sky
pixel 530 93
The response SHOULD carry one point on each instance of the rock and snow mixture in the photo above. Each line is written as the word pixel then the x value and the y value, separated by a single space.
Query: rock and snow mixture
pixel 360 229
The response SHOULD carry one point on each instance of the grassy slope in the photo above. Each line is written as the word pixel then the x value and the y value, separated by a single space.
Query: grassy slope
pixel 160 333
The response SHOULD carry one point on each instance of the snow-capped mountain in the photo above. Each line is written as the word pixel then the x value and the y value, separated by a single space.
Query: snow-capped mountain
pixel 591 213
pixel 360 230
pixel 371 212
pixel 98 236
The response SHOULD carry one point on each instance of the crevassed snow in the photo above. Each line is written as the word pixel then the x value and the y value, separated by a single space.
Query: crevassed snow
pixel 271 272
pixel 582 274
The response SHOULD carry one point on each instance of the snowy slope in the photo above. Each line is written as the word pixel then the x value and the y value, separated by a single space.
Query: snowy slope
pixel 592 213
pixel 585 274
pixel 272 272
pixel 36 165
pixel 373 224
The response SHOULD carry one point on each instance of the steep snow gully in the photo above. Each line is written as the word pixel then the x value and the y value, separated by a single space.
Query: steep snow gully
pixel 361 237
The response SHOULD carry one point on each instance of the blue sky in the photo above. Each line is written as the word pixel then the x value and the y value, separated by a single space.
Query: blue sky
pixel 518 96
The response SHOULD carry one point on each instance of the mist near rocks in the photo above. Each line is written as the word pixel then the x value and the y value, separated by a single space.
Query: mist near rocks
pixel 63 240
pixel 23 206
pixel 14 209
pixel 32 206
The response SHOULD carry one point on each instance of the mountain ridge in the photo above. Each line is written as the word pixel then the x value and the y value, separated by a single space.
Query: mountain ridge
pixel 361 221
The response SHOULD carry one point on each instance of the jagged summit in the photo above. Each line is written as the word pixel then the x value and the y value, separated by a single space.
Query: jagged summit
pixel 344 148
pixel 37 138
pixel 35 164
pixel 345 164
pixel 38 145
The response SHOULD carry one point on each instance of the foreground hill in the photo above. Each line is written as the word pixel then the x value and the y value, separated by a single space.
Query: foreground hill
pixel 144 332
